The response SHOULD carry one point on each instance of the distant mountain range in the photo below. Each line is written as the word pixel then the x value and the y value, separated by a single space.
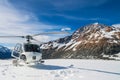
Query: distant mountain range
pixel 5 53
pixel 88 42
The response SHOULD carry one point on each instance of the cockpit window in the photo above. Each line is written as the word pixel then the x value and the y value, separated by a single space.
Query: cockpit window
pixel 31 48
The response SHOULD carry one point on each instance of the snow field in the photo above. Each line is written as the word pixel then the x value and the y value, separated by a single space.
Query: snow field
pixel 62 69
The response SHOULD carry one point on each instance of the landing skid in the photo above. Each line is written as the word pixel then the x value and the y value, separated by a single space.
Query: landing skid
pixel 42 61
pixel 17 62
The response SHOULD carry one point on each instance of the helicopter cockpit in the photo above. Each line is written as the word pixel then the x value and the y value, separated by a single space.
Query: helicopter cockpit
pixel 31 48
pixel 26 47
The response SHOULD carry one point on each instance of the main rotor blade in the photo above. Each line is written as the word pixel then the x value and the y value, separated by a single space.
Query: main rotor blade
pixel 12 36
pixel 46 33
pixel 37 40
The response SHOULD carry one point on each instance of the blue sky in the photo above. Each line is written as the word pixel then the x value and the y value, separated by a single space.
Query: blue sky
pixel 21 17
pixel 73 13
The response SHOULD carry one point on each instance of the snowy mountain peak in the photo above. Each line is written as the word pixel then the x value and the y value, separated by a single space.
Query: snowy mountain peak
pixel 88 40
pixel 95 25
pixel 92 31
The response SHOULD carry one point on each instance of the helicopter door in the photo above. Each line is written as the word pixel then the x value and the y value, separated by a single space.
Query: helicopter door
pixel 17 50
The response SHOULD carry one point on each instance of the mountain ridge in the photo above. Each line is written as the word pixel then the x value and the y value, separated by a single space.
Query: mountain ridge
pixel 5 53
pixel 90 41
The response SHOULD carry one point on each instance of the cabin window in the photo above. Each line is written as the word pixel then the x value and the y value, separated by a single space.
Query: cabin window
pixel 31 48
pixel 17 50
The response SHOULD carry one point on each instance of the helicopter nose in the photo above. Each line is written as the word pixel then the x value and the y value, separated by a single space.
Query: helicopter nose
pixel 34 57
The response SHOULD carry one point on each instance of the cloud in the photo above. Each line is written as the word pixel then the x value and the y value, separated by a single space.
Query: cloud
pixel 69 17
pixel 12 21
pixel 16 22
pixel 66 29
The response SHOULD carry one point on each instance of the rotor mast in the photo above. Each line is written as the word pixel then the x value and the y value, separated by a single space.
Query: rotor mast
pixel 28 38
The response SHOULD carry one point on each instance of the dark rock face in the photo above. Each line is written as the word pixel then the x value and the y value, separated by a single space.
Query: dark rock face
pixel 5 53
pixel 91 41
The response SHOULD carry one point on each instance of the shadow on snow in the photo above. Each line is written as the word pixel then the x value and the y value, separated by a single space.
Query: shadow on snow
pixel 47 67
pixel 108 72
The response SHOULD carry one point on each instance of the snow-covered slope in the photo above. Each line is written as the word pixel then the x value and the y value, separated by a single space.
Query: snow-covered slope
pixel 116 25
pixel 62 69
pixel 90 41
pixel 4 52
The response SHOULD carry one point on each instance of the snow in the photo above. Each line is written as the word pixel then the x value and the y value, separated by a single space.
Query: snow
pixel 113 41
pixel 62 69
pixel 74 49
pixel 73 45
pixel 96 23
pixel 109 34
pixel 60 46
pixel 116 25
pixel 106 34
pixel 44 46
pixel 55 44
pixel 118 54
pixel 94 35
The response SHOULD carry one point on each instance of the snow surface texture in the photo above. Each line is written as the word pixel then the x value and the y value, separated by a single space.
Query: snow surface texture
pixel 62 69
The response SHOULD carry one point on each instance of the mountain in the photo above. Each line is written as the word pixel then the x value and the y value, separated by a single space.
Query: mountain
pixel 90 41
pixel 5 53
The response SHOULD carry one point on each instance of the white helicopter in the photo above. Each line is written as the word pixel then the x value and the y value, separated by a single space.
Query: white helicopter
pixel 28 52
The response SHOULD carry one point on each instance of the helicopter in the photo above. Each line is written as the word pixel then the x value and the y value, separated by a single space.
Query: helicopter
pixel 28 52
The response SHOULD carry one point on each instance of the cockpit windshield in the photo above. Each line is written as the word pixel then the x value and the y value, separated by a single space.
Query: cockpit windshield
pixel 31 48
